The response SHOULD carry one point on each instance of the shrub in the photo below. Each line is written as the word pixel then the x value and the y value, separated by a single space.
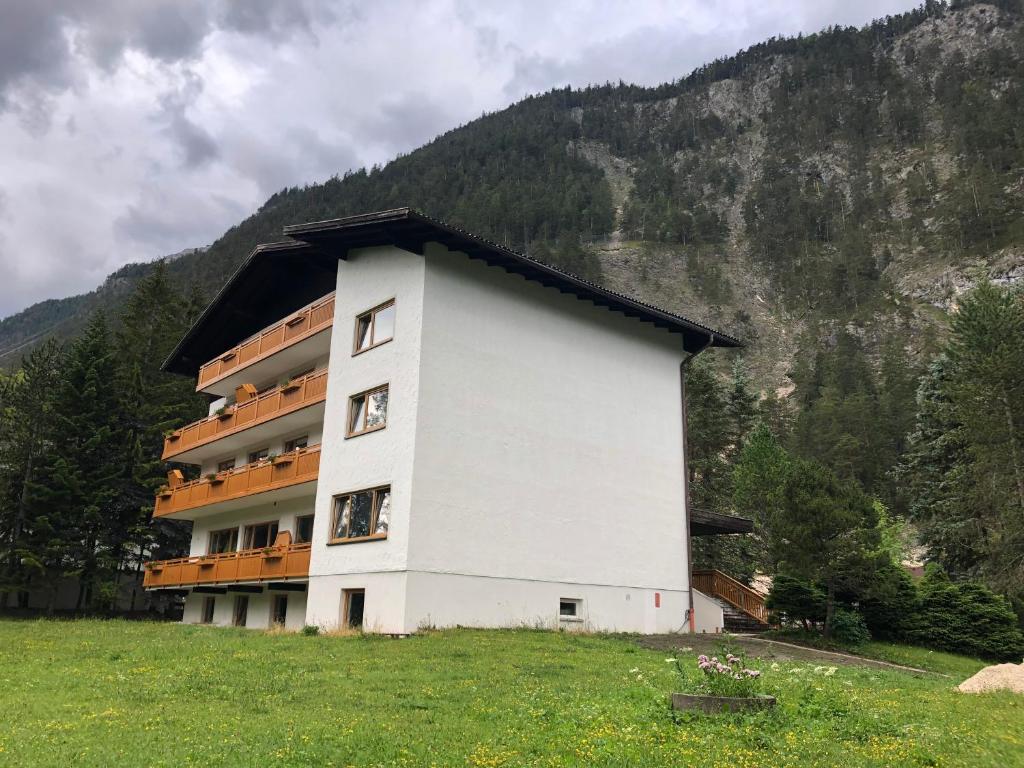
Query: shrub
pixel 729 678
pixel 310 630
pixel 967 618
pixel 890 604
pixel 848 627
pixel 794 600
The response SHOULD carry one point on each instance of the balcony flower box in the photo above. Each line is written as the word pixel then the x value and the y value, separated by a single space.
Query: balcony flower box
pixel 164 492
pixel 156 567
pixel 172 435
pixel 270 553
pixel 225 413
pixel 286 459
pixel 206 563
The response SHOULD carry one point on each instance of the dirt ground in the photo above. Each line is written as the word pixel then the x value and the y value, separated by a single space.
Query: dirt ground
pixel 771 650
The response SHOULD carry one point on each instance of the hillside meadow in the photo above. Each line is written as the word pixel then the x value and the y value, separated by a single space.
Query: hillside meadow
pixel 102 693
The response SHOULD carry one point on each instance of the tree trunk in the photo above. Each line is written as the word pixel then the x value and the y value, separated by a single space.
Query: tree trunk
pixel 830 607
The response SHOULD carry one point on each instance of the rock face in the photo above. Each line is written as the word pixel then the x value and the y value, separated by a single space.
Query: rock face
pixel 999 677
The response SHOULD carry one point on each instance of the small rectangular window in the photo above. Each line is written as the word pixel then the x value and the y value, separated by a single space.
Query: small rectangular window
pixel 279 610
pixel 258 455
pixel 241 613
pixel 569 609
pixel 296 443
pixel 368 411
pixel 225 466
pixel 353 606
pixel 225 540
pixel 375 327
pixel 361 515
pixel 304 529
pixel 259 536
pixel 207 614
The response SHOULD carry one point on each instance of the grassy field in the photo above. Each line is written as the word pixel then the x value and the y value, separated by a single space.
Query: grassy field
pixel 92 693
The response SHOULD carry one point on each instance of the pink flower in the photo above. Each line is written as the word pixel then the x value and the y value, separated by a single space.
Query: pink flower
pixel 752 673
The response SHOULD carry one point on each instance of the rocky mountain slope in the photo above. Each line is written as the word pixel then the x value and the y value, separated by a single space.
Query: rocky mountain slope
pixel 854 178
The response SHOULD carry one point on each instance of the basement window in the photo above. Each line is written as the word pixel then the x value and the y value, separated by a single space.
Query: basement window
pixel 367 411
pixel 361 515
pixel 570 609
pixel 375 327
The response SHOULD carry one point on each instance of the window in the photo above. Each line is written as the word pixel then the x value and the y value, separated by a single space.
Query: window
pixel 279 610
pixel 570 609
pixel 223 541
pixel 304 529
pixel 259 536
pixel 206 617
pixel 225 466
pixel 296 443
pixel 361 515
pixel 375 327
pixel 368 411
pixel 352 607
pixel 258 455
pixel 241 611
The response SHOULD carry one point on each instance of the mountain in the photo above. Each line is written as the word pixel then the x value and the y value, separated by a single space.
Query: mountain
pixel 856 179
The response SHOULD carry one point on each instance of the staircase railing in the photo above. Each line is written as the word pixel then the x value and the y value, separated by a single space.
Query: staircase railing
pixel 725 587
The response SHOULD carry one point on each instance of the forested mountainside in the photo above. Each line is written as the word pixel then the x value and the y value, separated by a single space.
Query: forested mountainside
pixel 825 198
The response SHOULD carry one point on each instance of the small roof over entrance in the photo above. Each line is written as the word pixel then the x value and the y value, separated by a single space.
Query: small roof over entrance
pixel 706 523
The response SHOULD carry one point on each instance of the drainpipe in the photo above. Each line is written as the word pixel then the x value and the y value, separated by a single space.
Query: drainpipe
pixel 686 481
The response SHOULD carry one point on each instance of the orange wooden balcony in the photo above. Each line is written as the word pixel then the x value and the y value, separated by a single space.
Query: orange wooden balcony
pixel 276 563
pixel 282 471
pixel 293 329
pixel 293 396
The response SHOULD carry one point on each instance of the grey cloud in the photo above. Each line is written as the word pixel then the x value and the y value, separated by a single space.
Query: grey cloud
pixel 164 221
pixel 407 119
pixel 197 146
pixel 276 19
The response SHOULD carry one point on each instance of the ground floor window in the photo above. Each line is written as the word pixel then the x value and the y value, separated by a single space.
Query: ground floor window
pixel 353 602
pixel 279 610
pixel 206 617
pixel 241 610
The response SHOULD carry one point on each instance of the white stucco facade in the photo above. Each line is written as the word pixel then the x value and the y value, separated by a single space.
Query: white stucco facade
pixel 533 449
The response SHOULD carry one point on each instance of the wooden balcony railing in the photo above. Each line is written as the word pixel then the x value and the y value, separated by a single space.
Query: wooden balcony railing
pixel 314 318
pixel 298 466
pixel 269 564
pixel 718 584
pixel 298 393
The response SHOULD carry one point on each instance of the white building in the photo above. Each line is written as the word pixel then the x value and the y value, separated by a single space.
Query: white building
pixel 414 427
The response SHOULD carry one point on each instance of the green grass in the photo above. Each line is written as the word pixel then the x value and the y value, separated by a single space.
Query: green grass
pixel 93 693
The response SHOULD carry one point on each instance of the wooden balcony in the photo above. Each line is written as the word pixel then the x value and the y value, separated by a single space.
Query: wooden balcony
pixel 278 563
pixel 293 329
pixel 293 396
pixel 725 587
pixel 288 469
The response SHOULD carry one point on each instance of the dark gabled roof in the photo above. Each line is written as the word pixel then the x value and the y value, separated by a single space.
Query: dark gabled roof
pixel 279 278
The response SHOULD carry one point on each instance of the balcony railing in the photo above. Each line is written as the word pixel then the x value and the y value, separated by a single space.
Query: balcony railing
pixel 296 394
pixel 292 329
pixel 268 564
pixel 298 466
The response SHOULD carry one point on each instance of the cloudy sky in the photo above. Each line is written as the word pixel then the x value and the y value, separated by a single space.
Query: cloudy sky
pixel 131 129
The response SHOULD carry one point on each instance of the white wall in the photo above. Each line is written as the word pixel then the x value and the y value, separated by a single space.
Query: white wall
pixel 275 445
pixel 549 448
pixel 257 615
pixel 366 279
pixel 707 613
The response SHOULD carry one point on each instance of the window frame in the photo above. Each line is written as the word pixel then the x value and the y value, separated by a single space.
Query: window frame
pixel 311 517
pixel 365 394
pixel 234 541
pixel 372 313
pixel 222 466
pixel 240 611
pixel 251 454
pixel 374 510
pixel 250 528
pixel 275 601
pixel 293 441
pixel 208 609
pixel 576 603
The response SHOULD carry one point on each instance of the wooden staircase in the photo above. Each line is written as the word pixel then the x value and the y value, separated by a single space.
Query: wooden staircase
pixel 743 608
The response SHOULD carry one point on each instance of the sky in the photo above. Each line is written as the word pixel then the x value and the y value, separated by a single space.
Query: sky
pixel 133 129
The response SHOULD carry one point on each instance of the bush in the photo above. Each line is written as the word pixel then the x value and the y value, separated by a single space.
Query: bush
pixel 311 629
pixel 794 601
pixel 966 618
pixel 848 627
pixel 890 604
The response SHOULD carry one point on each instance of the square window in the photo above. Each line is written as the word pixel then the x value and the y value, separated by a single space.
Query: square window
pixel 368 411
pixel 259 536
pixel 569 609
pixel 374 327
pixel 225 540
pixel 361 515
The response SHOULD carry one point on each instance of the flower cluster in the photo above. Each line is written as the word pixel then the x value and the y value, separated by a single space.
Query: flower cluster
pixel 733 667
